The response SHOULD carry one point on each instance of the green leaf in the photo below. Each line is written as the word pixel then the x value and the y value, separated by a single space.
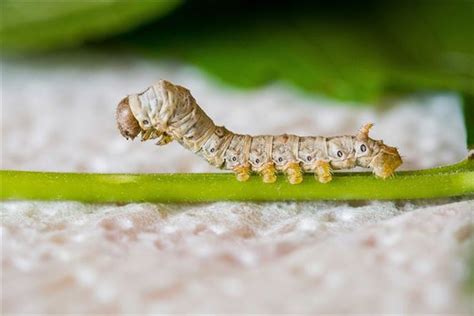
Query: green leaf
pixel 450 181
pixel 468 107
pixel 356 51
pixel 45 25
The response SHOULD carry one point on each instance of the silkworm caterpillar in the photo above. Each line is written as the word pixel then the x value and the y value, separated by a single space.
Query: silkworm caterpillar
pixel 168 112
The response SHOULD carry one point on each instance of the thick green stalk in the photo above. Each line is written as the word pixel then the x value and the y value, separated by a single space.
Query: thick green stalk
pixel 454 180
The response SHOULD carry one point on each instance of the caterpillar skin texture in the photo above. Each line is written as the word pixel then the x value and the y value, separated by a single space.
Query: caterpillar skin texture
pixel 167 112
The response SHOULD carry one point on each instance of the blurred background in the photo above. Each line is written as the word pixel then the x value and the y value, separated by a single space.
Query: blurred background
pixel 315 67
pixel 258 67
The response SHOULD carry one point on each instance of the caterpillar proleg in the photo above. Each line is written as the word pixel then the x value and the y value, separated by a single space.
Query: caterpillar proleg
pixel 168 112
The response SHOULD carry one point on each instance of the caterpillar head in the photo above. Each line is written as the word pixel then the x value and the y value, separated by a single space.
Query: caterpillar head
pixel 126 122
pixel 375 154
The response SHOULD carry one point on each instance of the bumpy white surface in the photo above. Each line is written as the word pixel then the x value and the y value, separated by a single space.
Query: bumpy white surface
pixel 69 257
pixel 234 257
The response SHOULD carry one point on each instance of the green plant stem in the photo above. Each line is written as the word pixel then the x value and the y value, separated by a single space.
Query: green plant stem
pixel 454 180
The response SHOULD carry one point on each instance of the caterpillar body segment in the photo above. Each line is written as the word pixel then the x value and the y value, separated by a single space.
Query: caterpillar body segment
pixel 237 156
pixel 284 153
pixel 167 112
pixel 216 145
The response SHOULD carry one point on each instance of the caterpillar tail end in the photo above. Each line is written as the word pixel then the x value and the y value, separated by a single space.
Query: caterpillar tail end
pixel 385 163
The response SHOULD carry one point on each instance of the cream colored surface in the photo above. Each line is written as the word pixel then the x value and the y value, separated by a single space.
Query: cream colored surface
pixel 366 257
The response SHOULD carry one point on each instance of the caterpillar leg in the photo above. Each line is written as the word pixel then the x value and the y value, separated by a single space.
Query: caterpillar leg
pixel 323 171
pixel 147 134
pixel 164 139
pixel 242 173
pixel 268 173
pixel 294 173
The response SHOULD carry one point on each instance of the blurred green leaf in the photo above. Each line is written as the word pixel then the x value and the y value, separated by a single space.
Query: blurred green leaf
pixel 348 50
pixel 44 25
pixel 468 107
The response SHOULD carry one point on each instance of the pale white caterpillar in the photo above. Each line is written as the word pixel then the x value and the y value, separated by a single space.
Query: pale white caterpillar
pixel 168 112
